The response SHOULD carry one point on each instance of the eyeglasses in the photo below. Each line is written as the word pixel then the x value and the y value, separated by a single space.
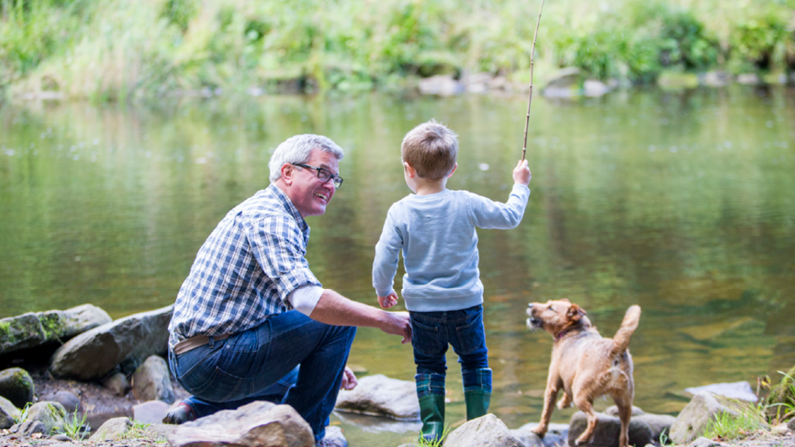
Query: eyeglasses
pixel 323 174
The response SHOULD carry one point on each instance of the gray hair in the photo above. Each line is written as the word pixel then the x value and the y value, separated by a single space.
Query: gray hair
pixel 298 149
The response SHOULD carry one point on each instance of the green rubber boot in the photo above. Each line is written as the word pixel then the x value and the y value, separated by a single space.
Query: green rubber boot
pixel 477 403
pixel 432 415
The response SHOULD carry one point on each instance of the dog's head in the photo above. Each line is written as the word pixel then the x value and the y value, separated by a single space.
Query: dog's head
pixel 555 317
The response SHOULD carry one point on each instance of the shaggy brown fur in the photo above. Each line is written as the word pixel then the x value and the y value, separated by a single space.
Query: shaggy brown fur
pixel 585 365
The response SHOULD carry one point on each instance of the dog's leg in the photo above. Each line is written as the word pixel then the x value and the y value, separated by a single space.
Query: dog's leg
pixel 550 395
pixel 585 405
pixel 565 401
pixel 624 413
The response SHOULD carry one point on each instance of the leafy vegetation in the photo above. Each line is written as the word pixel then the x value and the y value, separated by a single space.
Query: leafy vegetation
pixel 730 426
pixel 111 50
pixel 74 427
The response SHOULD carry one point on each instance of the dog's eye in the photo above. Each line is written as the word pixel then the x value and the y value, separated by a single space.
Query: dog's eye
pixel 552 308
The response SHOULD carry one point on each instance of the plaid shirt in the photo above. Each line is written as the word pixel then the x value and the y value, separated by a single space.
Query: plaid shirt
pixel 245 270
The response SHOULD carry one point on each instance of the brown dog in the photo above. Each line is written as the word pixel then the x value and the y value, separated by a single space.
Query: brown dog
pixel 584 364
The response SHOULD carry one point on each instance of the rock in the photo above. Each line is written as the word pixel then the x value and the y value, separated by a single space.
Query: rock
pixel 791 424
pixel 442 85
pixel 62 438
pixel 736 390
pixel 93 354
pixel 151 412
pixel 8 413
pixel 118 384
pixel 159 430
pixel 693 419
pixel 704 442
pixel 17 386
pixel 380 395
pixel 658 423
pixel 557 434
pixel 51 414
pixel 748 79
pixel 593 88
pixel 565 78
pixel 486 431
pixel 111 429
pixel 476 83
pixel 714 78
pixel 69 400
pixel 34 329
pixel 29 428
pixel 101 410
pixel 608 430
pixel 256 424
pixel 152 381
pixel 334 437
pixel 613 411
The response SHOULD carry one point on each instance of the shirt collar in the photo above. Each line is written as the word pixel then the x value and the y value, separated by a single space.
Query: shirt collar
pixel 288 205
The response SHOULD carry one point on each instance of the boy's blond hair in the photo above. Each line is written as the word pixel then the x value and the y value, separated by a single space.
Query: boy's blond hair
pixel 431 149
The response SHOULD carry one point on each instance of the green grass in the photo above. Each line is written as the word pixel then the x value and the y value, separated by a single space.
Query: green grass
pixel 23 413
pixel 785 410
pixel 75 427
pixel 421 442
pixel 728 426
pixel 117 50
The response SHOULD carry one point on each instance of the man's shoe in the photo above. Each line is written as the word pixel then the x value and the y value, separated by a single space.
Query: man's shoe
pixel 333 438
pixel 179 415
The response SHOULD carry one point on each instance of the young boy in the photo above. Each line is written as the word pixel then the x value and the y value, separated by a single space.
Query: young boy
pixel 435 229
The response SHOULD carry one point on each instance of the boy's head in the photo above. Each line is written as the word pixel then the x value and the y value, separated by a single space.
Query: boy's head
pixel 431 149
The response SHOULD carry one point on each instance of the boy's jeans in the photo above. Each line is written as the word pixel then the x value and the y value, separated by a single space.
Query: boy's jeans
pixel 245 366
pixel 463 329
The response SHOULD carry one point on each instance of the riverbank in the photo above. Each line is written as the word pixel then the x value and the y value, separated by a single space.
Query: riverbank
pixel 119 51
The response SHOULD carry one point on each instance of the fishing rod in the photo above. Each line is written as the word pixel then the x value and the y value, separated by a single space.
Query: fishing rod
pixel 530 97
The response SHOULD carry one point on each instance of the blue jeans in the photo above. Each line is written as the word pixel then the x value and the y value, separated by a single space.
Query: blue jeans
pixel 432 332
pixel 244 367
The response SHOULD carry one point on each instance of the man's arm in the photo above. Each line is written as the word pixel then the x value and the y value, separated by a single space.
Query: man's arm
pixel 334 309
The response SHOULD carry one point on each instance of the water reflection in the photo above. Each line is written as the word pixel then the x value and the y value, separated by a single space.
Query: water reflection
pixel 682 202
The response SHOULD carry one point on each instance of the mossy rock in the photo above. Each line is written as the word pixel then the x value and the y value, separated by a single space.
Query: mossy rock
pixel 16 385
pixel 53 326
pixel 781 393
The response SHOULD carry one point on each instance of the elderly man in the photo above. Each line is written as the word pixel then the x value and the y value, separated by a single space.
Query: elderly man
pixel 250 310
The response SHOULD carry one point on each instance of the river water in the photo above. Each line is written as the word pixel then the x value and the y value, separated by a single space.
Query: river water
pixel 680 201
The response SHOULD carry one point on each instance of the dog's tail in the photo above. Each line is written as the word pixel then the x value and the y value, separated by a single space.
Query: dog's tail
pixel 628 326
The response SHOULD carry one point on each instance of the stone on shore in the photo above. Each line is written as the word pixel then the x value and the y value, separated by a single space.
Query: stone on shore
pixel 380 395
pixel 17 386
pixel 736 390
pixel 8 413
pixel 658 423
pixel 118 384
pixel 441 85
pixel 111 429
pixel 260 424
pixel 486 431
pixel 151 412
pixel 51 414
pixel 608 430
pixel 33 329
pixel 704 407
pixel 93 354
pixel 557 434
pixel 704 442
pixel 69 400
pixel 152 381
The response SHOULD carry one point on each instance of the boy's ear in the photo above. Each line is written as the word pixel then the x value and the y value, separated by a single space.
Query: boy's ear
pixel 451 172
pixel 409 170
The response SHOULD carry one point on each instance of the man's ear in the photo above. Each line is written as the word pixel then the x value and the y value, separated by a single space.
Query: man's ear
pixel 288 170
pixel 411 172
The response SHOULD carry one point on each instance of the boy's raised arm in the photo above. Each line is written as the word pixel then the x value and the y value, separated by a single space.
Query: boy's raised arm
pixel 502 216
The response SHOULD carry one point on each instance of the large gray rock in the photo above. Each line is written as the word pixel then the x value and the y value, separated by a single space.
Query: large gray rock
pixel 17 386
pixel 704 407
pixel 557 434
pixel 260 424
pixel 608 431
pixel 111 429
pixel 51 414
pixel 33 329
pixel 8 413
pixel 379 395
pixel 93 354
pixel 736 390
pixel 486 431
pixel 658 423
pixel 152 381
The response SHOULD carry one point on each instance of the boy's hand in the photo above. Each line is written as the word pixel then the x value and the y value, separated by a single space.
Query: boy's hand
pixel 388 301
pixel 521 173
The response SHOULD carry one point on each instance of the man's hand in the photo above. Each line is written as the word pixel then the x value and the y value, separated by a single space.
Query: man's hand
pixel 398 324
pixel 349 381
pixel 388 301
pixel 521 173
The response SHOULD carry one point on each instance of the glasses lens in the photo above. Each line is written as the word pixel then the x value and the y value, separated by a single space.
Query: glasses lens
pixel 337 181
pixel 323 174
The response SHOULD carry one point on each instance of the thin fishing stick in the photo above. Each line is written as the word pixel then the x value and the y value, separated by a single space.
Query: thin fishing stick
pixel 530 98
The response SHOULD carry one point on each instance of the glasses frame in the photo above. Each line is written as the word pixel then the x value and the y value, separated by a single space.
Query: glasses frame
pixel 337 180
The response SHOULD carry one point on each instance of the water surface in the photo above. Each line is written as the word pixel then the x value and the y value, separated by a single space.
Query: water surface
pixel 681 202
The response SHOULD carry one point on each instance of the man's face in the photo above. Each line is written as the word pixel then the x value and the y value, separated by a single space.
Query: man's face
pixel 309 194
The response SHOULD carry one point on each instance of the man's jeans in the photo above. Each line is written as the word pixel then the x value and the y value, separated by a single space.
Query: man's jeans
pixel 244 367
pixel 463 329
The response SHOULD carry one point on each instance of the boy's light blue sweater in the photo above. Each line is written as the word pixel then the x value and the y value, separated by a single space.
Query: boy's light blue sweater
pixel 437 235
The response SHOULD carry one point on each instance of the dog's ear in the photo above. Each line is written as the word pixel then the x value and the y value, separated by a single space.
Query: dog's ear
pixel 565 300
pixel 575 313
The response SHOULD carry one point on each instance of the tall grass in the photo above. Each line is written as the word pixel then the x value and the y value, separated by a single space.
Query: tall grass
pixel 115 49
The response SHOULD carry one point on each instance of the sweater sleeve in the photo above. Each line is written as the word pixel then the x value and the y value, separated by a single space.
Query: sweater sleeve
pixel 489 214
pixel 386 256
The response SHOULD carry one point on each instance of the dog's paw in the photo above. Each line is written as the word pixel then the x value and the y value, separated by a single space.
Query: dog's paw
pixel 582 440
pixel 540 431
